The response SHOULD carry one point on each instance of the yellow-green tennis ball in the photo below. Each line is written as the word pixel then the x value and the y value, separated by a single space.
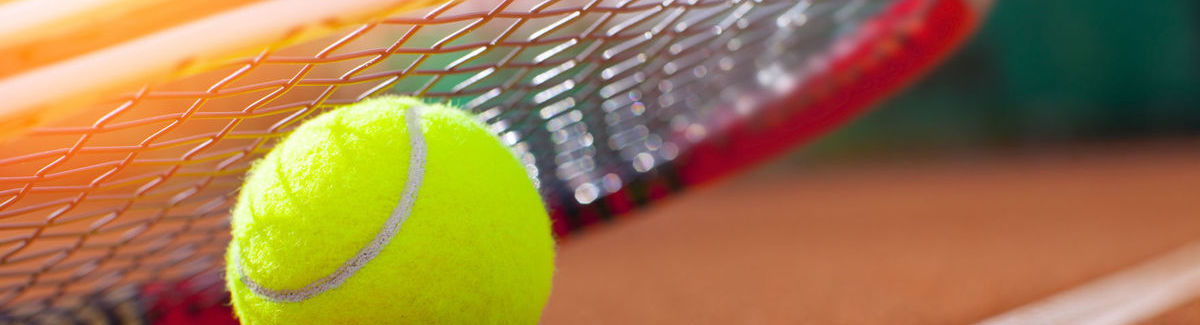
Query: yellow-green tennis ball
pixel 389 211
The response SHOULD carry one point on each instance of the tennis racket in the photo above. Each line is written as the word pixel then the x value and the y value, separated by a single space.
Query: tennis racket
pixel 126 126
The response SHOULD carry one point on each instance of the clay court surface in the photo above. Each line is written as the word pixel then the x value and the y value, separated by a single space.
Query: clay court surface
pixel 919 241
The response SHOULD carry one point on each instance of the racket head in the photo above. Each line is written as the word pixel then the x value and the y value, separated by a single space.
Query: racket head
pixel 613 105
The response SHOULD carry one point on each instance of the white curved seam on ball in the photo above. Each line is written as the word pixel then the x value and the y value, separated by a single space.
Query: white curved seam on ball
pixel 416 170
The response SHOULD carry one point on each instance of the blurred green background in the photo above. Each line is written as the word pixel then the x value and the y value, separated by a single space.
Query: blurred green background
pixel 1044 73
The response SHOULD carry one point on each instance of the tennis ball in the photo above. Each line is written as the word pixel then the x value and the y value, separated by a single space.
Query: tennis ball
pixel 389 211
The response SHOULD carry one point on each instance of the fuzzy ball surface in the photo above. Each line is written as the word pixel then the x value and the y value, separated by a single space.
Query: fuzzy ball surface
pixel 474 246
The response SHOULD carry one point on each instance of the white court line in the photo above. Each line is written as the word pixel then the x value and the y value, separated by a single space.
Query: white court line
pixel 1134 294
